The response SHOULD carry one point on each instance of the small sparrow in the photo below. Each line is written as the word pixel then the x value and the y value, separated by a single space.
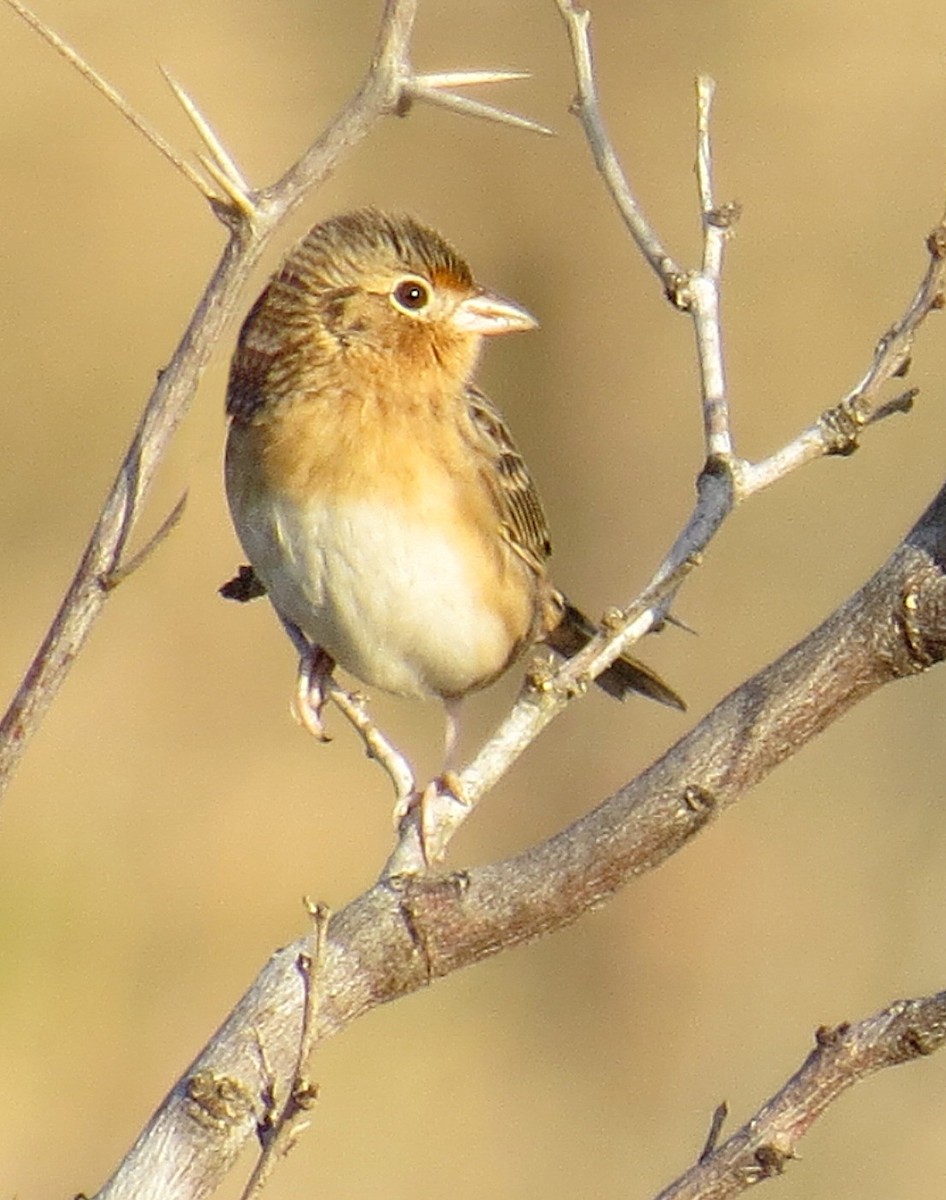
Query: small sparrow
pixel 376 491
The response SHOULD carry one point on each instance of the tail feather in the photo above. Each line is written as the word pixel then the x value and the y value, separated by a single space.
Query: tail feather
pixel 625 675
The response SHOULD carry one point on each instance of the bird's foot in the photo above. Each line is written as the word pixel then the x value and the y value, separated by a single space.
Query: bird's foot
pixel 315 674
pixel 424 809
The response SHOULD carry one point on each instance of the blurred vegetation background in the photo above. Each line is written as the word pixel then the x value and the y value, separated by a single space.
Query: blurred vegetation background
pixel 170 814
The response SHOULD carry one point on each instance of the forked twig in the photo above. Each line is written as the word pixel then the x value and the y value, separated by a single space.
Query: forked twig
pixel 726 479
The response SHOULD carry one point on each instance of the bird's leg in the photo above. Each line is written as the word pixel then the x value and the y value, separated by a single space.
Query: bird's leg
pixel 451 736
pixel 425 819
pixel 312 681
pixel 445 788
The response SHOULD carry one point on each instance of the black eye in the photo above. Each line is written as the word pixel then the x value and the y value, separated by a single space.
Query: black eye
pixel 412 295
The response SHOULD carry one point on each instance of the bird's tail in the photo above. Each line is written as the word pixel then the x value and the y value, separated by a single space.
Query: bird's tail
pixel 625 675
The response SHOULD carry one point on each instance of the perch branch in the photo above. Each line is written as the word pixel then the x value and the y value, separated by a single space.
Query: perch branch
pixel 406 932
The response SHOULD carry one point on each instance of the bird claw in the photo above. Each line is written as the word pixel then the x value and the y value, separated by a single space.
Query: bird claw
pixel 315 674
pixel 425 808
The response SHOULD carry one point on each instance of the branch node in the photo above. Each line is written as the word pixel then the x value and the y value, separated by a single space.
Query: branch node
pixel 678 288
pixel 771 1160
pixel 828 1036
pixel 936 241
pixel 841 425
pixel 697 799
pixel 725 216
pixel 217 1103
pixel 922 653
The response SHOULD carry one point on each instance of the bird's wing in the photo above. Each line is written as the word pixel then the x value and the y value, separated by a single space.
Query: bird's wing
pixel 522 519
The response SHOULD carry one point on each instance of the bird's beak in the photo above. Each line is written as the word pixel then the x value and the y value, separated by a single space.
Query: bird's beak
pixel 485 313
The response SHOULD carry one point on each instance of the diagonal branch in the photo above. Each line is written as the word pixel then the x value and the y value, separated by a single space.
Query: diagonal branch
pixel 111 94
pixel 766 1144
pixel 405 932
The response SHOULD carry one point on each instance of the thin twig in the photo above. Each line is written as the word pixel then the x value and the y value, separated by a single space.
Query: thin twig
pixel 720 1113
pixel 545 694
pixel 377 746
pixel 586 107
pixel 167 526
pixel 285 1125
pixel 837 431
pixel 113 96
pixel 703 289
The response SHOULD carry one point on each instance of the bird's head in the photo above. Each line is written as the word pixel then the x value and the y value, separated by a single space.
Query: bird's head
pixel 382 297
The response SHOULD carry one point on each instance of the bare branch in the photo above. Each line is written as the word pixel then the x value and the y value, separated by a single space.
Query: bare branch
pixel 405 932
pixel 726 479
pixel 837 430
pixel 767 1143
pixel 585 106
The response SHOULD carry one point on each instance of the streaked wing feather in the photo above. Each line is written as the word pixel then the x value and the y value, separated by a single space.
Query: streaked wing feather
pixel 522 518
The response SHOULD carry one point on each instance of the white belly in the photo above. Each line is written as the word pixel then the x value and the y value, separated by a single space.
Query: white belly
pixel 386 596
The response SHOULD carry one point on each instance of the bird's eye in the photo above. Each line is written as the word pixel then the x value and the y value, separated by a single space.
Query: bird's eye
pixel 411 294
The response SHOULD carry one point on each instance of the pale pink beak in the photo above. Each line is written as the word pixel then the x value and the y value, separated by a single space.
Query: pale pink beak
pixel 486 313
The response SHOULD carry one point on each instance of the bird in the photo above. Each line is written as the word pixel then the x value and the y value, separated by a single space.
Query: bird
pixel 377 492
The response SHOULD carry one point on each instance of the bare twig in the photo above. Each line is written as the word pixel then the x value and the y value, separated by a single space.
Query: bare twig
pixel 838 429
pixel 701 293
pixel 544 695
pixel 164 530
pixel 585 106
pixel 720 1113
pixel 112 95
pixel 283 1127
pixel 377 745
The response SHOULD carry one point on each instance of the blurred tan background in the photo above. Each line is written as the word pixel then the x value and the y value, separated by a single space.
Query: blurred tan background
pixel 169 816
